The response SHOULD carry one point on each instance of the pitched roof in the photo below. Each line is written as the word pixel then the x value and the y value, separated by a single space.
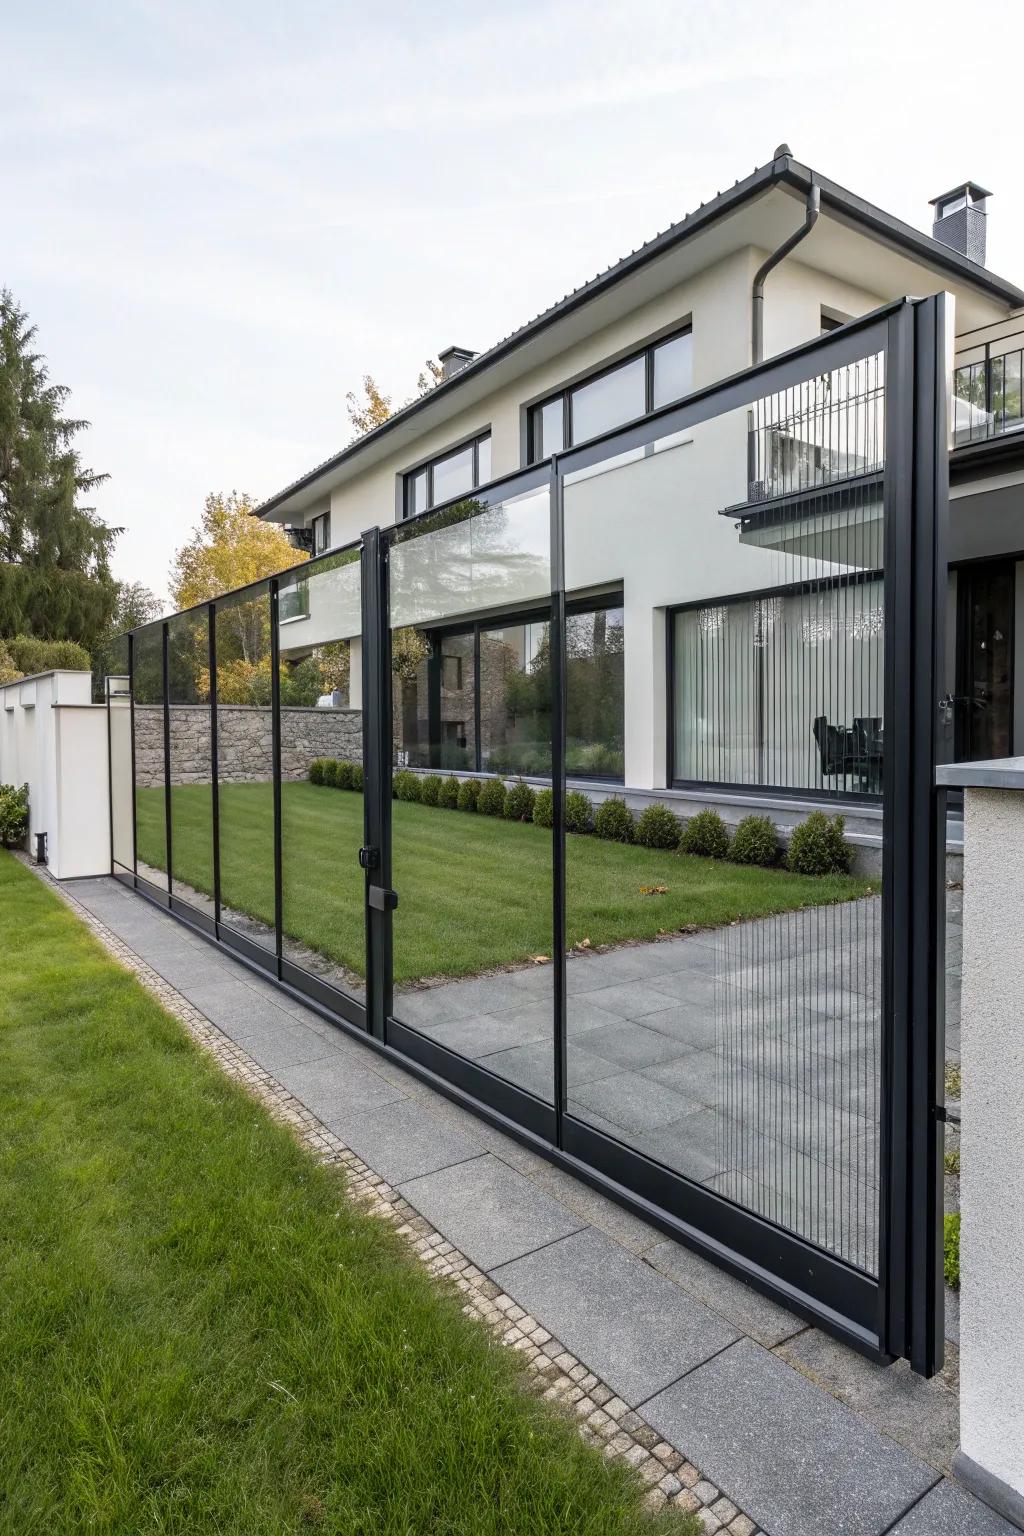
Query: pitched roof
pixel 783 169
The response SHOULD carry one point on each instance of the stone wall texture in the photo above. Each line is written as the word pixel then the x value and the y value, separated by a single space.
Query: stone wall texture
pixel 243 742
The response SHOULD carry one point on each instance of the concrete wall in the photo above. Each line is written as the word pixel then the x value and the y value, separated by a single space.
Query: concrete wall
pixel 53 739
pixel 992 1145
pixel 243 742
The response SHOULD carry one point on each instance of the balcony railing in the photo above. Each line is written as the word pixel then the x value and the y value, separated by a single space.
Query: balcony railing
pixel 988 398
pixel 829 430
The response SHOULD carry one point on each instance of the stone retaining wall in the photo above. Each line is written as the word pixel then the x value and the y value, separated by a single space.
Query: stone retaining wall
pixel 243 742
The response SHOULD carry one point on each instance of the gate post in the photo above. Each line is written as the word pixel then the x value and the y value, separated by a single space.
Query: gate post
pixel 375 855
pixel 914 831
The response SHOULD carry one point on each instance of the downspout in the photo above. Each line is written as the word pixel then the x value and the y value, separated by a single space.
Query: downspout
pixel 757 292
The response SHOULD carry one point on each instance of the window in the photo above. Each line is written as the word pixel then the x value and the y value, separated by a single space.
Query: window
pixel 657 376
pixel 829 322
pixel 448 476
pixel 321 534
pixel 782 690
pixel 480 698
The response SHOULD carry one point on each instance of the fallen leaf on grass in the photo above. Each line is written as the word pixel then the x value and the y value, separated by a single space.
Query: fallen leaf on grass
pixel 541 959
pixel 654 890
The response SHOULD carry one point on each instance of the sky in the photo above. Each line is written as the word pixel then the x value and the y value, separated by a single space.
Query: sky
pixel 220 216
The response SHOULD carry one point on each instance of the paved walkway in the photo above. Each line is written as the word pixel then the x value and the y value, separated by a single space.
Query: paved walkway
pixel 803 1435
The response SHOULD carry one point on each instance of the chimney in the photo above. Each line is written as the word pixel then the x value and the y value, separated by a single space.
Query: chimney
pixel 453 360
pixel 959 220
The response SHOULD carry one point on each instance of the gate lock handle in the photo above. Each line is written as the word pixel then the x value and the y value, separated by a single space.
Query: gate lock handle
pixel 382 900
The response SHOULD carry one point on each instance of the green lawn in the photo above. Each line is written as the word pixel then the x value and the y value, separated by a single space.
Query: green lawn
pixel 198 1334
pixel 474 891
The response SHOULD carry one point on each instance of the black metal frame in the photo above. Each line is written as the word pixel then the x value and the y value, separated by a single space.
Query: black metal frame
pixel 899 1311
pixel 409 475
pixel 963 695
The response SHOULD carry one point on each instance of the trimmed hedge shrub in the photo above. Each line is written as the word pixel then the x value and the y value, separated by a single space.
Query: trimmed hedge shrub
pixel 448 794
pixel 330 771
pixel 658 827
pixel 519 802
pixel 817 847
pixel 578 811
pixel 30 654
pixel 430 788
pixel 544 808
pixel 755 842
pixel 491 801
pixel 343 775
pixel 13 814
pixel 614 820
pixel 406 785
pixel 357 777
pixel 469 794
pixel 706 836
pixel 316 770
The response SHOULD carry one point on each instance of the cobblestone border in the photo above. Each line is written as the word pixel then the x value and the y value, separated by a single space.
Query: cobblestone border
pixel 557 1375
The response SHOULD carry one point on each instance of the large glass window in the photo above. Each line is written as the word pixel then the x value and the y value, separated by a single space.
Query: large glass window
pixel 479 698
pixel 448 476
pixel 655 377
pixel 783 690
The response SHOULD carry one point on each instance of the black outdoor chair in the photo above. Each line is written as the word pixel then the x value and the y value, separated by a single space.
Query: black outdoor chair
pixel 851 753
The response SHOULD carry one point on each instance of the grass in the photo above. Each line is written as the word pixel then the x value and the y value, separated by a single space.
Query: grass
pixel 951 1249
pixel 197 1333
pixel 474 891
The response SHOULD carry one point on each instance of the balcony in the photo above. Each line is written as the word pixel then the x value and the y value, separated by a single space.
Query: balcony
pixel 988 401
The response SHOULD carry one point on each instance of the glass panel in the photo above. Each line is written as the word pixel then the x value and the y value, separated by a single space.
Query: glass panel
pixel 594 694
pixel 416 493
pixel 472 931
pixel 483 460
pixel 984 702
pixel 453 476
pixel 151 826
pixel 724 1014
pixel 673 370
pixel 1012 389
pixel 609 401
pixel 119 704
pixel 188 680
pixel 549 428
pixel 453 733
pixel 515 699
pixel 245 764
pixel 322 811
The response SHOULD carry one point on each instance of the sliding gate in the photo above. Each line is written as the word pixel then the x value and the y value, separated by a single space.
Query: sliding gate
pixel 736 602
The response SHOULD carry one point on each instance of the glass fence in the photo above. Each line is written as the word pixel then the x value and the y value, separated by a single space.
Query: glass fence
pixel 446 784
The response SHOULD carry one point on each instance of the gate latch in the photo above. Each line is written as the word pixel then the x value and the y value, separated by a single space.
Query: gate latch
pixel 369 858
pixel 382 900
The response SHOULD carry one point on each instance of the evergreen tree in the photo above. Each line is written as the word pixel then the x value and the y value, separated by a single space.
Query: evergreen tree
pixel 55 579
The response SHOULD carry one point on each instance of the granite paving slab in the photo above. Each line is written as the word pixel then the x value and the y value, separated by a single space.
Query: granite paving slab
pixel 746 1309
pixel 632 1325
pixel 489 1211
pixel 951 1511
pixel 404 1140
pixel 797 1461
pixel 334 1087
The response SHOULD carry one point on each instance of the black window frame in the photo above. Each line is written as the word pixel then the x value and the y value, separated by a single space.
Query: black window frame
pixel 410 476
pixel 565 394
pixel 322 520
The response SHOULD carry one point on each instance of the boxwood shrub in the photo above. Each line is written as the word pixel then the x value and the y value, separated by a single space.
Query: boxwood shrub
pixel 658 827
pixel 706 835
pixel 331 767
pixel 543 808
pixel 430 788
pixel 469 794
pixel 817 847
pixel 316 770
pixel 343 775
pixel 406 785
pixel 578 811
pixel 614 820
pixel 357 776
pixel 491 801
pixel 755 842
pixel 519 802
pixel 448 794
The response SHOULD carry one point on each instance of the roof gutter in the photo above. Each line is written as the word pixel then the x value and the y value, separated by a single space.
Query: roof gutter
pixel 757 292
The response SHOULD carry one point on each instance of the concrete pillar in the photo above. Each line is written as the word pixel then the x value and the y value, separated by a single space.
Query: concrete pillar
pixel 991 1456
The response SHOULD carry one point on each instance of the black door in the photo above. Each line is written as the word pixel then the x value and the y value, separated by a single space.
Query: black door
pixel 985 660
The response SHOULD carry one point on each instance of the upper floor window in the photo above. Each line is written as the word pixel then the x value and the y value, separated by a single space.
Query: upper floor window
pixel 660 374
pixel 447 476
pixel 321 527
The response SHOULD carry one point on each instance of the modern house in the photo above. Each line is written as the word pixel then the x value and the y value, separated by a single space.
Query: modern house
pixel 681 661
